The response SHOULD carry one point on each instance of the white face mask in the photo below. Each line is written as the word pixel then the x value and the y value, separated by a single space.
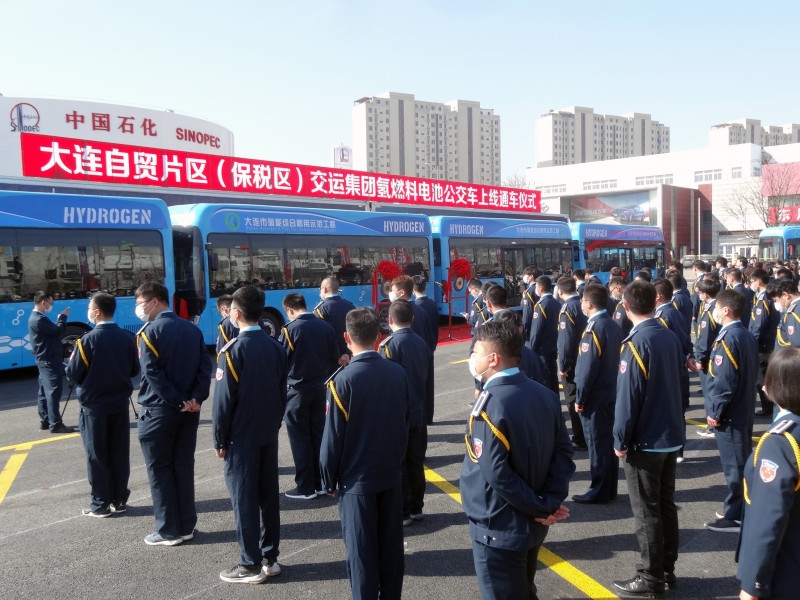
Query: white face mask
pixel 392 296
pixel 141 314
pixel 473 370
pixel 781 308
pixel 718 315
pixel 233 321
pixel 754 287
pixel 89 316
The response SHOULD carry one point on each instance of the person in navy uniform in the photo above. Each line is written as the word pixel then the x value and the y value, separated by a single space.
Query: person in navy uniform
pixel 596 391
pixel 46 345
pixel 706 331
pixel 764 320
pixel 616 289
pixel 475 314
pixel 529 363
pixel 333 309
pixel 544 330
pixel 431 310
pixel 225 329
pixel 517 467
pixel 102 365
pixel 769 544
pixel 410 351
pixel 313 356
pixel 176 377
pixel 249 403
pixel 733 368
pixel 362 455
pixel 787 300
pixel 735 281
pixel 699 268
pixel 571 323
pixel 529 298
pixel 648 434
pixel 681 301
pixel 579 276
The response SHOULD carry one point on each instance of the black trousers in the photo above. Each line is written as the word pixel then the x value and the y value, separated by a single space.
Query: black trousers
pixel 651 488
pixel 550 371
pixel 251 474
pixel 414 470
pixel 598 423
pixel 168 439
pixel 305 422
pixel 735 444
pixel 51 383
pixel 507 574
pixel 763 361
pixel 107 440
pixel 372 528
pixel 429 394
pixel 570 389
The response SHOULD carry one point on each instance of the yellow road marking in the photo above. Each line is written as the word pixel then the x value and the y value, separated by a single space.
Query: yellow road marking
pixel 558 565
pixel 459 362
pixel 705 426
pixel 29 445
pixel 10 471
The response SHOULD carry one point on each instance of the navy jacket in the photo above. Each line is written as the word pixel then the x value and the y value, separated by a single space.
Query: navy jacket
pixel 706 333
pixel 544 326
pixel 748 301
pixel 764 320
pixel 366 426
pixel 250 395
pixel 409 350
pixel 669 317
pixel 571 323
pixel 683 304
pixel 769 545
pixel 478 312
pixel 311 350
pixel 598 362
pixel 102 364
pixel 46 337
pixel 422 327
pixel 530 364
pixel 175 364
pixel 733 368
pixel 529 300
pixel 334 310
pixel 788 332
pixel 621 319
pixel 518 462
pixel 431 311
pixel 649 413
pixel 225 333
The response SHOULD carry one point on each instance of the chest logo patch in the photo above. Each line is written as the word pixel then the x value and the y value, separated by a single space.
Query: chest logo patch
pixel 718 360
pixel 768 471
pixel 584 347
pixel 623 366
pixel 758 311
pixel 220 373
pixel 477 447
pixel 535 315
pixel 563 325
pixel 703 325
pixel 790 329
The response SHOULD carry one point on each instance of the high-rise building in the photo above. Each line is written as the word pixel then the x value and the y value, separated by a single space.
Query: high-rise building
pixel 577 134
pixel 456 141
pixel 750 131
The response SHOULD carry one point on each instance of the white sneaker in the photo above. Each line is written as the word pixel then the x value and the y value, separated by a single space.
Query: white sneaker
pixel 679 459
pixel 706 433
pixel 271 570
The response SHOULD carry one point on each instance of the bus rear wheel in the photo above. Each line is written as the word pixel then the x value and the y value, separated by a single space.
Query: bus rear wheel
pixel 271 323
pixel 73 333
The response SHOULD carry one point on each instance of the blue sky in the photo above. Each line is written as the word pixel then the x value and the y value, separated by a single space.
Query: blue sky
pixel 283 75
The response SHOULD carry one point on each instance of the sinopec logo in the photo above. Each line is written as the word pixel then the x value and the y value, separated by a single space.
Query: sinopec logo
pixel 24 117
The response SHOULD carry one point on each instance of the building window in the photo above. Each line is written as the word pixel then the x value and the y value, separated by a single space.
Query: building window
pixel 736 173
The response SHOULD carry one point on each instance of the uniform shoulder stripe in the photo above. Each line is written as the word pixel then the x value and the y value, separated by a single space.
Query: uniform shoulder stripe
pixel 82 353
pixel 730 355
pixel 781 428
pixel 287 337
pixel 638 359
pixel 148 343
pixel 597 343
pixel 222 332
pixel 335 394
pixel 318 312
pixel 335 373
pixel 228 345
pixel 230 363
pixel 498 434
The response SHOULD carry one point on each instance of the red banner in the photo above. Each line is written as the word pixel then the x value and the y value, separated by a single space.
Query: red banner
pixel 80 160
pixel 787 214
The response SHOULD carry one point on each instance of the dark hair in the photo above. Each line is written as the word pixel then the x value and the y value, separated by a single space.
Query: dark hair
pixel 759 275
pixel 733 300
pixel 699 265
pixel 566 285
pixel 404 283
pixel 401 312
pixel 41 296
pixel 545 283
pixel 721 260
pixel 781 381
pixel 617 280
pixel 224 300
pixel 486 287
pixel 508 315
pixel 294 301
pixel 579 273
pixel 615 272
pixel 420 284
pixel 505 337
pixel 105 303
pixel 497 295
pixel 677 265
pixel 783 273
pixel 734 274
pixel 250 300
pixel 153 289
pixel 675 279
pixel 333 283
pixel 532 271
pixel 640 298
pixel 645 275
pixel 363 325
pixel 596 295
pixel 663 288
pixel 709 286
pixel 784 286
pixel 474 284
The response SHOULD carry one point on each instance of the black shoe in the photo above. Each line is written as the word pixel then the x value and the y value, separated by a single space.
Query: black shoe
pixel 763 413
pixel 579 446
pixel 98 513
pixel 672 581
pixel 119 507
pixel 44 425
pixel 587 499
pixel 61 428
pixel 408 521
pixel 637 585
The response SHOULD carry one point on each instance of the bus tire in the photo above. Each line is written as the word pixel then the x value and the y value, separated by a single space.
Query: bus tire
pixel 272 322
pixel 73 332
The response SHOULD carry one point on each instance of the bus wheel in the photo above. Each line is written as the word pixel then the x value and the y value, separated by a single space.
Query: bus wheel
pixel 74 332
pixel 271 323
pixel 383 313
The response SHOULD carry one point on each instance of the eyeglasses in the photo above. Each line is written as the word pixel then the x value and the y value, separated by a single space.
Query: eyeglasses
pixel 143 302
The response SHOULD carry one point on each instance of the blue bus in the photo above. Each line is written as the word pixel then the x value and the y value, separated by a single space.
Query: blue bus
pixel 71 246
pixel 497 250
pixel 220 247
pixel 601 247
pixel 779 243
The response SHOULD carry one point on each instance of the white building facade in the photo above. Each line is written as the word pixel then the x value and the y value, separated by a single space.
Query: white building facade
pixel 750 131
pixel 456 141
pixel 577 134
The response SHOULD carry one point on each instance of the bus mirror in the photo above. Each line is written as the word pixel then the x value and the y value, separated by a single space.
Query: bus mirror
pixel 213 261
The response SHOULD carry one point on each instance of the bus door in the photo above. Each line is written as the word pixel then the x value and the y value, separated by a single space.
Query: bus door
pixel 513 264
pixel 625 261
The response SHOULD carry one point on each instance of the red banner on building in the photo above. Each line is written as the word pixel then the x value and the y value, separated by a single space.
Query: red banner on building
pixel 80 160
pixel 786 214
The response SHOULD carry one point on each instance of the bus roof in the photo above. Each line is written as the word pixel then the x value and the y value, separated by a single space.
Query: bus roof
pixel 782 231
pixel 603 231
pixel 31 209
pixel 499 228
pixel 248 218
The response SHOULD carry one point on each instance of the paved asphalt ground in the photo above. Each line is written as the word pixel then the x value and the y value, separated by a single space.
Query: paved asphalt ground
pixel 49 551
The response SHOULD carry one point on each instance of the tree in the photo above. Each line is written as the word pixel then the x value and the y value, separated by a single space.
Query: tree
pixel 516 180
